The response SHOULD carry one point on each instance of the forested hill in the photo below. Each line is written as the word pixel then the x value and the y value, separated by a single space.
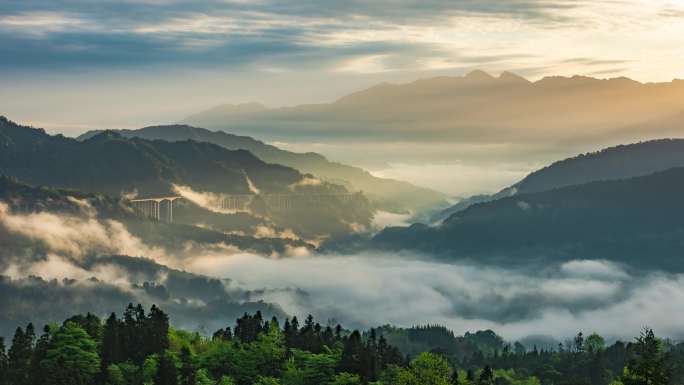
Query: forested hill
pixel 25 198
pixel 40 207
pixel 142 348
pixel 387 194
pixel 619 162
pixel 111 163
pixel 637 221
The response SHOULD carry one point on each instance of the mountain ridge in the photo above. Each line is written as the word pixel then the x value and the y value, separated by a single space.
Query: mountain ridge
pixel 387 194
pixel 547 115
pixel 616 162
pixel 621 220
pixel 112 164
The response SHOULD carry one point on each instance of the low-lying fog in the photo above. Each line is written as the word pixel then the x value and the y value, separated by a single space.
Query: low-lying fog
pixel 368 289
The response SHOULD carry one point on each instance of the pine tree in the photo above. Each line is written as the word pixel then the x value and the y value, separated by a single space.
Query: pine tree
pixel 188 372
pixel 3 363
pixel 648 366
pixel 579 342
pixel 110 349
pixel 19 356
pixel 290 332
pixel 328 336
pixel 90 323
pixel 156 331
pixel 167 374
pixel 248 327
pixel 37 374
pixel 223 334
pixel 355 357
pixel 486 377
pixel 128 334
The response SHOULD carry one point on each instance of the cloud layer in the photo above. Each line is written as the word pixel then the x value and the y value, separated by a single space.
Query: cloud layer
pixel 65 256
pixel 369 290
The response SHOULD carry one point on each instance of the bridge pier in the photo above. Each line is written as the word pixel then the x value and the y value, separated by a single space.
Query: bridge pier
pixel 158 209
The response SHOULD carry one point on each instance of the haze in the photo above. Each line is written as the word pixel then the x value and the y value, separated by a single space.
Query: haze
pixel 125 65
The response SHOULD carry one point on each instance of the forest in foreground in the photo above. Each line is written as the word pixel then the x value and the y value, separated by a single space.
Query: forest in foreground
pixel 142 348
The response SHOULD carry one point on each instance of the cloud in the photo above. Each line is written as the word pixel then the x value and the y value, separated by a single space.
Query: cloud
pixel 211 201
pixel 369 290
pixel 594 268
pixel 138 33
pixel 383 219
pixel 40 23
pixel 363 290
pixel 55 267
pixel 459 178
pixel 306 181
pixel 365 64
pixel 252 187
pixel 75 235
pixel 263 231
pixel 106 284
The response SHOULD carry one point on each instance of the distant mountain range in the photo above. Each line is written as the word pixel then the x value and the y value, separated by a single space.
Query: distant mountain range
pixel 622 204
pixel 619 162
pixel 476 108
pixel 113 164
pixel 386 194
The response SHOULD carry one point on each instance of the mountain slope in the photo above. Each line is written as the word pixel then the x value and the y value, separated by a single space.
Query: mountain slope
pixel 18 198
pixel 386 194
pixel 110 163
pixel 635 221
pixel 617 162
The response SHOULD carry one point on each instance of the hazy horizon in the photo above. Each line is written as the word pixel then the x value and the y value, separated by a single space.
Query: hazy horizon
pixel 151 62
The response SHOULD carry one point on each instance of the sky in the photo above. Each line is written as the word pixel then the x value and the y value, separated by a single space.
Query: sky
pixel 74 65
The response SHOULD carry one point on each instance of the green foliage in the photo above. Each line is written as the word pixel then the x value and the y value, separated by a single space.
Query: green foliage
pixel 203 378
pixel 19 356
pixel 167 372
pixel 115 376
pixel 648 365
pixel 71 357
pixel 244 362
pixel 188 372
pixel 305 368
pixel 225 380
pixel 511 377
pixel 345 378
pixel 594 343
pixel 486 376
pixel 426 369
pixel 267 381
pixel 149 369
pixel 131 373
pixel 135 337
pixel 312 355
